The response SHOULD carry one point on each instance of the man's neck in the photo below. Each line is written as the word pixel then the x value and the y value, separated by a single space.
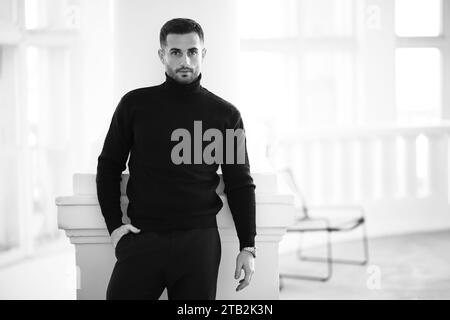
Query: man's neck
pixel 179 87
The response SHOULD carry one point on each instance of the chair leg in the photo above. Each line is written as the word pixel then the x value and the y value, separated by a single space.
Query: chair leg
pixel 324 278
pixel 363 262
pixel 300 249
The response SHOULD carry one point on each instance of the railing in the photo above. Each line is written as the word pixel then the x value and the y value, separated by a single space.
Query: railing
pixel 400 174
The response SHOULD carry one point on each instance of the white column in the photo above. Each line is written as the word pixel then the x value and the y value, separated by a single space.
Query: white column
pixel 410 166
pixel 368 173
pixel 389 181
pixel 438 164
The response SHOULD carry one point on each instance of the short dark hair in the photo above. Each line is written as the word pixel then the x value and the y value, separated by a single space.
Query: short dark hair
pixel 179 26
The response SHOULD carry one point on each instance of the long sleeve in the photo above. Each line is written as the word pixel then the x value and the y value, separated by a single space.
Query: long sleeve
pixel 111 164
pixel 240 188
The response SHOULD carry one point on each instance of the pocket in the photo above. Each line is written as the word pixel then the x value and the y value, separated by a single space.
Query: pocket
pixel 127 246
pixel 122 240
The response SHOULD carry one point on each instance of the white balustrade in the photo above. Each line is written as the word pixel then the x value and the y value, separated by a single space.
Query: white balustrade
pixel 399 174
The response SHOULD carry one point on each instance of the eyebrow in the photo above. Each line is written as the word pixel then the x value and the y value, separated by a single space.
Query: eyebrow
pixel 190 49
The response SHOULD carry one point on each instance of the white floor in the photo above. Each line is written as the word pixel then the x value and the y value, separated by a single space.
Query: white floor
pixel 415 266
pixel 49 275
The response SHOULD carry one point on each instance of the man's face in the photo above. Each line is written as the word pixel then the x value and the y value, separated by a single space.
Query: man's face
pixel 183 56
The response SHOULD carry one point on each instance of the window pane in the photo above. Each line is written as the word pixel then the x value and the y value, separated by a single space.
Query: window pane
pixel 327 17
pixel 327 88
pixel 47 78
pixel 418 18
pixel 418 83
pixel 268 95
pixel 9 141
pixel 36 88
pixel 267 18
pixel 6 10
pixel 35 14
pixel 268 85
pixel 51 14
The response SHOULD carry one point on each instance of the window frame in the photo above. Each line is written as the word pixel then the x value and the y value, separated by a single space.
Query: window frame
pixel 372 104
pixel 440 42
pixel 302 45
pixel 24 243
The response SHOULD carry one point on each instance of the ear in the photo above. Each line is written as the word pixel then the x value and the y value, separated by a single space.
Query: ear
pixel 161 55
pixel 203 53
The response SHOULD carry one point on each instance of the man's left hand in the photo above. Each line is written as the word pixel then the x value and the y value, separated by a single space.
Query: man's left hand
pixel 246 261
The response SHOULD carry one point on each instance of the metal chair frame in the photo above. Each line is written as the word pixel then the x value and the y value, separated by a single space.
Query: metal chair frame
pixel 329 228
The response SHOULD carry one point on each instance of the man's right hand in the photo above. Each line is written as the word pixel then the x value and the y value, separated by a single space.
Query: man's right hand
pixel 117 234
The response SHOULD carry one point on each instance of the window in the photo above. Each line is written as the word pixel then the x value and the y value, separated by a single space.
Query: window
pixel 345 62
pixel 298 61
pixel 274 85
pixel 47 108
pixel 35 90
pixel 56 81
pixel 418 18
pixel 418 84
pixel 418 61
pixel 51 14
pixel 259 19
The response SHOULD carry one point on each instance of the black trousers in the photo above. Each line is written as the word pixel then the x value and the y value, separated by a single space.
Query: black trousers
pixel 186 262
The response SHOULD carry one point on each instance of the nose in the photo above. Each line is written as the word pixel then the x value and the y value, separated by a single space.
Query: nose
pixel 186 60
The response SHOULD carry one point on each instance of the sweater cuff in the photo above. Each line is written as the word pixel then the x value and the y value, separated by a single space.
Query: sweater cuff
pixel 112 224
pixel 248 241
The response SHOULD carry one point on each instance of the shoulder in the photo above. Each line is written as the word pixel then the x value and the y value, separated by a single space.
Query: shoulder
pixel 131 100
pixel 141 93
pixel 227 108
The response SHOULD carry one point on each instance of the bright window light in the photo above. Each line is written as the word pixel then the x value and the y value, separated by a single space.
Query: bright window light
pixel 418 18
pixel 34 85
pixel 34 14
pixel 417 83
pixel 264 81
pixel 328 87
pixel 259 19
pixel 326 17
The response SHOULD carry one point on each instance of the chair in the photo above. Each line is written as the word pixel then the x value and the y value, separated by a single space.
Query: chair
pixel 307 222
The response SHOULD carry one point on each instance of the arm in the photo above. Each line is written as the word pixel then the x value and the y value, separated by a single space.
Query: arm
pixel 111 164
pixel 239 187
pixel 240 191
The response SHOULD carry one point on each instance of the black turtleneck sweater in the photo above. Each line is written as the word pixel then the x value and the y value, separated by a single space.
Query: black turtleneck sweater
pixel 163 195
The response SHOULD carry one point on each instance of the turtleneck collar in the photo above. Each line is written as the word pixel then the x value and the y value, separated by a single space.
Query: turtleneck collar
pixel 176 87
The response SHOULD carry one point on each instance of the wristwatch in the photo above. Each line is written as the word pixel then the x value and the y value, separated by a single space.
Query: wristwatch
pixel 252 250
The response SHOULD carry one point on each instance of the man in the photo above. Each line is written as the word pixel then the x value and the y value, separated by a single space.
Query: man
pixel 172 241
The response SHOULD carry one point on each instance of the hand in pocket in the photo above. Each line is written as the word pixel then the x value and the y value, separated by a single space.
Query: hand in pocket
pixel 117 234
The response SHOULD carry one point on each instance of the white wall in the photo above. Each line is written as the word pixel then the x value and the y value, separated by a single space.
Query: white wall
pixel 92 83
pixel 137 24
